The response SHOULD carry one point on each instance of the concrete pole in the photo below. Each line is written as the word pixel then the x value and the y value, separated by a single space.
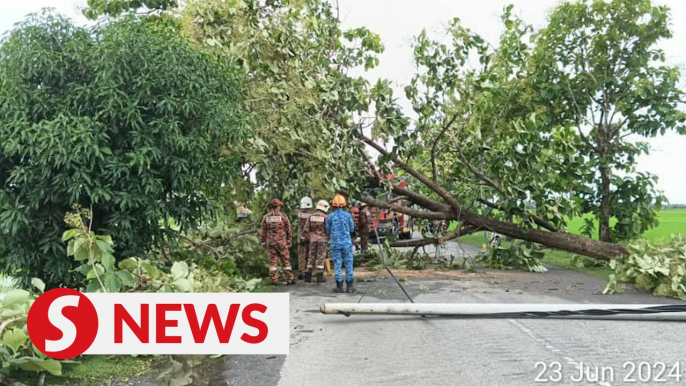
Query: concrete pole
pixel 657 312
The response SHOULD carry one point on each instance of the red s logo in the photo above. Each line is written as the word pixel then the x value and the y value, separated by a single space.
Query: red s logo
pixel 62 323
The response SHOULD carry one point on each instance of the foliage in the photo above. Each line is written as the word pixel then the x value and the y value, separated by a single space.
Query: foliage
pixel 516 255
pixel 117 7
pixel 125 116
pixel 233 249
pixel 306 105
pixel 365 257
pixel 418 262
pixel 100 271
pixel 586 262
pixel 395 259
pixel 479 136
pixel 297 61
pixel 498 129
pixel 16 350
pixel 597 67
pixel 659 269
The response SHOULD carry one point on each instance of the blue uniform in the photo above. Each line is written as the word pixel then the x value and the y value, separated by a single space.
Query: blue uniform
pixel 339 226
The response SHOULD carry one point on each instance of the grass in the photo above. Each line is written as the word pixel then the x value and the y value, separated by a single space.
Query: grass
pixel 95 370
pixel 672 221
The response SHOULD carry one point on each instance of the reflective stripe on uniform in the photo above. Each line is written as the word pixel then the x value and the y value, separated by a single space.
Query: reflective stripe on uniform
pixel 274 219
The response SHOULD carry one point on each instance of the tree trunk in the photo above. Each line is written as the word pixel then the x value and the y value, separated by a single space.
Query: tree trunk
pixel 559 240
pixel 605 206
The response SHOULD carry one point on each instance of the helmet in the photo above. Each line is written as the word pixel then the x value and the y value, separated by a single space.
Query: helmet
pixel 323 206
pixel 275 202
pixel 338 201
pixel 243 212
pixel 306 203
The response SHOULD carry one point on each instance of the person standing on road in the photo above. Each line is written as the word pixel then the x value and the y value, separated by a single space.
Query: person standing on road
pixel 363 226
pixel 340 225
pixel 275 236
pixel 303 243
pixel 315 231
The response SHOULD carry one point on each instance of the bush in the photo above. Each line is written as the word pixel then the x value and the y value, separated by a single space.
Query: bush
pixel 658 269
pixel 16 350
pixel 126 116
pixel 517 255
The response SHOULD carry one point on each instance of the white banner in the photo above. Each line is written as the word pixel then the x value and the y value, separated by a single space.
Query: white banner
pixel 191 323
pixel 64 322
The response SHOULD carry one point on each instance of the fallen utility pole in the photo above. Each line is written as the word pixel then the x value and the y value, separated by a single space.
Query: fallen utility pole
pixel 655 312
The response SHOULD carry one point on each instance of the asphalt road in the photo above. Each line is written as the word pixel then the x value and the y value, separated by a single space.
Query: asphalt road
pixel 394 350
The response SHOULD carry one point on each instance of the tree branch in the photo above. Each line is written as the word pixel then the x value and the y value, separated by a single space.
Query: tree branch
pixel 421 200
pixel 406 210
pixel 461 231
pixel 442 193
pixel 540 221
pixel 435 143
pixel 228 240
pixel 479 175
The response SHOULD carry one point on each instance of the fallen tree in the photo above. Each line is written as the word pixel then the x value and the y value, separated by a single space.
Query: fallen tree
pixel 508 141
pixel 450 209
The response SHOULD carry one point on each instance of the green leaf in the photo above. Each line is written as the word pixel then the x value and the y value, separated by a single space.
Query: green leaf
pixel 112 282
pixel 93 286
pixel 67 235
pixel 150 269
pixel 108 262
pixel 179 270
pixel 107 239
pixel 14 339
pixel 81 251
pixel 15 296
pixel 92 272
pixel 38 365
pixel 130 264
pixel 126 278
pixel 38 284
pixel 183 285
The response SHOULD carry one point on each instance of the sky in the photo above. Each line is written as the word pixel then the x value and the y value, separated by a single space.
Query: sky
pixel 398 21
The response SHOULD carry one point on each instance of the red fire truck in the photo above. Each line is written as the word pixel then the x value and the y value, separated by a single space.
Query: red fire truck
pixel 384 220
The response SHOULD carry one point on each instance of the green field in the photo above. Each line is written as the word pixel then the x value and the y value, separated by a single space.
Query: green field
pixel 672 221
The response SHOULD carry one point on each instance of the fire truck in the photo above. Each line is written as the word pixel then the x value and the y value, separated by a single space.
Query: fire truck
pixel 386 222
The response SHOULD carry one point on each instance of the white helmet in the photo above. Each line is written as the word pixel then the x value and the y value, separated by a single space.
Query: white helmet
pixel 323 205
pixel 305 203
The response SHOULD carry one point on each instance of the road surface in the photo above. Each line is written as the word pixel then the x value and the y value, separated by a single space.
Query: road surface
pixel 396 350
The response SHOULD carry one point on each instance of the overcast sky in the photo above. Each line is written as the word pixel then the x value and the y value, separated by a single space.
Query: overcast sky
pixel 398 21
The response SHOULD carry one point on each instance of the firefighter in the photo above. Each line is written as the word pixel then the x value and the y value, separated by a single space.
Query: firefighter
pixel 303 243
pixel 315 231
pixel 340 225
pixel 276 236
pixel 363 226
